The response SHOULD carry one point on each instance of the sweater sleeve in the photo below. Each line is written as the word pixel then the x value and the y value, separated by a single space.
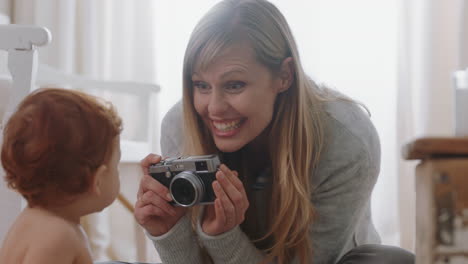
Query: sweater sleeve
pixel 179 245
pixel 232 247
pixel 340 205
pixel 343 183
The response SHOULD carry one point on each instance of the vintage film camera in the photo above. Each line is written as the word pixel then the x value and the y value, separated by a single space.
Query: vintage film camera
pixel 188 179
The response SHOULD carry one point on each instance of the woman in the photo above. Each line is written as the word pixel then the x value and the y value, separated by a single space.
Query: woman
pixel 300 161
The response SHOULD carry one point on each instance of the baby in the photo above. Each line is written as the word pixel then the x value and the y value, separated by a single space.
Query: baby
pixel 60 152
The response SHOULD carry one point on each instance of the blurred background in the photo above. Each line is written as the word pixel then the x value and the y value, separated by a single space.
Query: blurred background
pixel 395 56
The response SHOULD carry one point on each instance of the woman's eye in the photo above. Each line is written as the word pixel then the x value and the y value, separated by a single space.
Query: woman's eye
pixel 201 87
pixel 235 86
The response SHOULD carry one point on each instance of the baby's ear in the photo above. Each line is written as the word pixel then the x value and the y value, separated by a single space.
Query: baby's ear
pixel 98 179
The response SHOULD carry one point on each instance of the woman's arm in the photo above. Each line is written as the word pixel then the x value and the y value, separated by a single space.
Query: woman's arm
pixel 343 183
pixel 179 245
pixel 232 247
pixel 342 209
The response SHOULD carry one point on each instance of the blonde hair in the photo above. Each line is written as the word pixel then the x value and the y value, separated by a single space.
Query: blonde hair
pixel 296 136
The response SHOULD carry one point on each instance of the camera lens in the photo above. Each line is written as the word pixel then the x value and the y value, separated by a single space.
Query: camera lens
pixel 186 189
pixel 183 191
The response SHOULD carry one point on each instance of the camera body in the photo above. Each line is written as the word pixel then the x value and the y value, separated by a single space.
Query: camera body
pixel 188 179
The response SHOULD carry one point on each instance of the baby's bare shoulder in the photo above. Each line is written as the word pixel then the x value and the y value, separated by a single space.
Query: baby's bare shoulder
pixel 41 238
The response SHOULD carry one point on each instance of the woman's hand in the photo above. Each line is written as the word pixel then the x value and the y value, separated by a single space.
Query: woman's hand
pixel 152 209
pixel 230 205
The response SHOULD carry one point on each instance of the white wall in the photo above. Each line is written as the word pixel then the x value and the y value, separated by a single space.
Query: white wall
pixel 464 36
pixel 4 19
pixel 10 202
pixel 349 45
pixel 10 206
pixel 352 47
pixel 5 8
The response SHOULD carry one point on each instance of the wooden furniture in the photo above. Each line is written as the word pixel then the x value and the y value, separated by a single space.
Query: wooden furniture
pixel 441 199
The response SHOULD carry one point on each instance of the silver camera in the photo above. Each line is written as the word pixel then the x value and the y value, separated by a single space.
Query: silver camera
pixel 188 179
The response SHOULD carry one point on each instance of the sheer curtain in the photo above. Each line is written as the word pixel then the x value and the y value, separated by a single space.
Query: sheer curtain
pixel 433 38
pixel 395 56
pixel 348 45
pixel 104 40
pixel 351 46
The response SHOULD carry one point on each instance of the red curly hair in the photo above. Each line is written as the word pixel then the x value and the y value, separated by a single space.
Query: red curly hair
pixel 54 143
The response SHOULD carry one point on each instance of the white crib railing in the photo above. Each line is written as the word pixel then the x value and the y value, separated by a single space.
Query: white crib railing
pixel 20 42
pixel 27 74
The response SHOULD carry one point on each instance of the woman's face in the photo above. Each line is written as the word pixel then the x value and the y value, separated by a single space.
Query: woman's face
pixel 235 96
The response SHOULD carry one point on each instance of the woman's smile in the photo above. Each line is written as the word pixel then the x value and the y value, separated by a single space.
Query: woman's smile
pixel 227 128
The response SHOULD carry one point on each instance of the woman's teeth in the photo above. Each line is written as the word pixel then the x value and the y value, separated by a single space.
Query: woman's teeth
pixel 227 126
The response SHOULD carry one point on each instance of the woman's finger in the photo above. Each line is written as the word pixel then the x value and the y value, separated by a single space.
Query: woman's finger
pixel 148 183
pixel 242 200
pixel 237 198
pixel 229 208
pixel 240 186
pixel 144 165
pixel 154 199
pixel 233 176
pixel 237 182
pixel 220 214
pixel 148 160
pixel 146 212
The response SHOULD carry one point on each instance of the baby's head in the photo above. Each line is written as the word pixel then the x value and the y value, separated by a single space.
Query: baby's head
pixel 60 144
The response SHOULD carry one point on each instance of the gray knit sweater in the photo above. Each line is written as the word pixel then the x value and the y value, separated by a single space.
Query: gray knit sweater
pixel 342 183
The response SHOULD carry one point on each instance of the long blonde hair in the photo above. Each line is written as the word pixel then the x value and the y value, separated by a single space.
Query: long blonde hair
pixel 296 136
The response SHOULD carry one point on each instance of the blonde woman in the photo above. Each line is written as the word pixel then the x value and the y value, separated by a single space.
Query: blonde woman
pixel 299 161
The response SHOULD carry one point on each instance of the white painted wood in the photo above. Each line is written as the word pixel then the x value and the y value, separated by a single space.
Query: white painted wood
pixel 23 67
pixel 20 42
pixel 4 19
pixel 5 87
pixel 461 99
pixel 48 76
pixel 23 37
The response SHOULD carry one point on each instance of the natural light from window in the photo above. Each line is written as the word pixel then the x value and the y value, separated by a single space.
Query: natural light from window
pixel 348 45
